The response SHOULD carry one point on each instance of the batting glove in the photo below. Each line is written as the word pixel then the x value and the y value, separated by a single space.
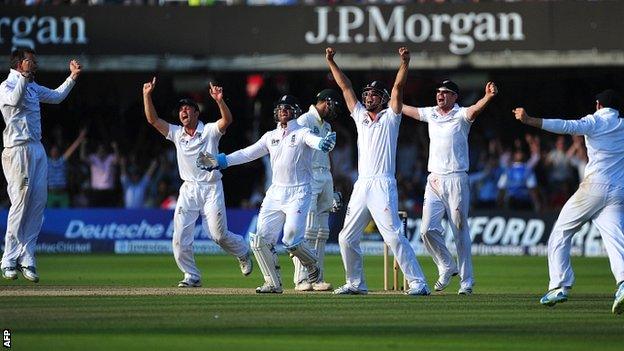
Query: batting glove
pixel 328 142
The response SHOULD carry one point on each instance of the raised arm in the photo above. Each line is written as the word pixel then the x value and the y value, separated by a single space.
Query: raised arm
pixel 341 79
pixel 325 144
pixel 411 112
pixel 150 110
pixel 72 148
pixel 490 91
pixel 396 97
pixel 216 92
pixel 583 126
pixel 59 94
pixel 248 154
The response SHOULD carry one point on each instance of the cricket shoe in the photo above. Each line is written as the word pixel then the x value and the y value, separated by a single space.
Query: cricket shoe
pixel 464 291
pixel 348 290
pixel 246 264
pixel 419 290
pixel 30 273
pixel 444 280
pixel 267 288
pixel 9 273
pixel 303 286
pixel 554 296
pixel 322 286
pixel 618 303
pixel 189 283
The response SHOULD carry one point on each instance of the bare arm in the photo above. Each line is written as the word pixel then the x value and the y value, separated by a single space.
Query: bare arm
pixel 150 110
pixel 72 148
pixel 396 97
pixel 216 92
pixel 343 82
pixel 490 91
pixel 523 117
pixel 411 112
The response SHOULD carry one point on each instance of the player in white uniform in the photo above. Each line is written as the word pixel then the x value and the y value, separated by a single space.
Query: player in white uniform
pixel 202 192
pixel 375 191
pixel 288 198
pixel 24 160
pixel 600 197
pixel 323 197
pixel 447 191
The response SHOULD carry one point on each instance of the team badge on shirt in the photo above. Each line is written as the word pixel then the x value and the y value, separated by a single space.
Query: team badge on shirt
pixel 292 140
pixel 315 130
pixel 274 142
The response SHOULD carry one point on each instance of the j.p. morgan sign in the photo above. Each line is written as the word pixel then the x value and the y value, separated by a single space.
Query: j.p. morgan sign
pixel 369 25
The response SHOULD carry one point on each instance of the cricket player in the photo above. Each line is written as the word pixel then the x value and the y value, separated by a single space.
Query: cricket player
pixel 323 197
pixel 448 190
pixel 287 200
pixel 24 160
pixel 600 197
pixel 202 192
pixel 375 191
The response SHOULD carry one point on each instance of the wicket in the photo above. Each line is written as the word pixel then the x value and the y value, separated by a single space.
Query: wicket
pixel 395 264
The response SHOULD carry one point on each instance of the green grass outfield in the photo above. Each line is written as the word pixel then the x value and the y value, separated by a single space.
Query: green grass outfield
pixel 130 303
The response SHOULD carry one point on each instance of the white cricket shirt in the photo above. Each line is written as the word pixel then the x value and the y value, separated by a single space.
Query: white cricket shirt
pixel 290 150
pixel 448 134
pixel 320 128
pixel 205 139
pixel 604 137
pixel 19 104
pixel 376 141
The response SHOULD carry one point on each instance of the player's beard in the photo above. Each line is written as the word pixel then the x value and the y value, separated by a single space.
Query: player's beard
pixel 372 107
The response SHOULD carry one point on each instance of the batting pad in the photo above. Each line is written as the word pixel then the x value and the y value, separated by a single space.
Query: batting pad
pixel 266 256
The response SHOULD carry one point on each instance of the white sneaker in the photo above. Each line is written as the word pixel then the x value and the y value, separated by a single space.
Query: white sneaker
pixel 618 302
pixel 444 280
pixel 464 291
pixel 189 283
pixel 30 273
pixel 246 264
pixel 9 273
pixel 554 296
pixel 322 286
pixel 303 286
pixel 419 290
pixel 267 288
pixel 348 290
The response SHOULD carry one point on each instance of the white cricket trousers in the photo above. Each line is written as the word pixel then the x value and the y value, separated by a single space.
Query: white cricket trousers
pixel 604 206
pixel 450 195
pixel 284 207
pixel 207 200
pixel 26 171
pixel 376 197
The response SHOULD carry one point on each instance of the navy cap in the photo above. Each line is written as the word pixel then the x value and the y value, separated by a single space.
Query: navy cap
pixel 608 98
pixel 187 102
pixel 449 85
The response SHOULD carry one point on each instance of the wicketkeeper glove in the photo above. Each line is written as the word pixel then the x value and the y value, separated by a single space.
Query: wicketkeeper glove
pixel 210 162
pixel 337 203
pixel 328 142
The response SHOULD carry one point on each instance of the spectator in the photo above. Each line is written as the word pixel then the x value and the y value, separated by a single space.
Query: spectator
pixel 134 186
pixel 102 165
pixel 58 195
pixel 518 185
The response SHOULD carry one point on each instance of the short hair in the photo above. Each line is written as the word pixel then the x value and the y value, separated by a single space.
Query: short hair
pixel 18 55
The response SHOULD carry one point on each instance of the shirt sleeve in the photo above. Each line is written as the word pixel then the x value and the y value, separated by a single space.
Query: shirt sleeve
pixel 56 96
pixel 312 140
pixel 250 153
pixel 173 129
pixel 583 126
pixel 213 130
pixel 358 112
pixel 463 113
pixel 13 96
pixel 425 113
